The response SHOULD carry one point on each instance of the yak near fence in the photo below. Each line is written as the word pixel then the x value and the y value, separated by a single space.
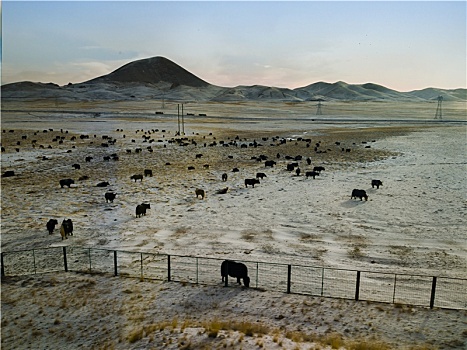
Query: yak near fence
pixel 425 291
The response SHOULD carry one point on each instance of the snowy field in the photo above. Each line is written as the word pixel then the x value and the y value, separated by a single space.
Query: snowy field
pixel 415 223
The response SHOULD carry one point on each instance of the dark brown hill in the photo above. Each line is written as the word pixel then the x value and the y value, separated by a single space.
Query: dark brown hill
pixel 152 71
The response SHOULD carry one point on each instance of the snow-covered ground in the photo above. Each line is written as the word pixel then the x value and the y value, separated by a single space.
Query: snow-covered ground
pixel 415 223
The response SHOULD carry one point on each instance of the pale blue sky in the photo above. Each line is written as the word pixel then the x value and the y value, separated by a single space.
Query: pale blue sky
pixel 401 45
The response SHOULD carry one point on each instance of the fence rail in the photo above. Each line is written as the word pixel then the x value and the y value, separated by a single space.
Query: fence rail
pixel 426 291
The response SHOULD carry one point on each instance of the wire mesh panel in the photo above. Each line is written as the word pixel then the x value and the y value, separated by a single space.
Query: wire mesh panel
pixel 49 259
pixel 129 264
pixel 78 259
pixel 451 293
pixel 209 271
pixel 101 260
pixel 339 283
pixel 413 290
pixel 307 280
pixel 155 266
pixel 183 269
pixel 376 287
pixel 271 276
pixel 19 263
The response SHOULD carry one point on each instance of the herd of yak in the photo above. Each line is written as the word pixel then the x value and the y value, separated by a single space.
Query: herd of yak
pixel 66 228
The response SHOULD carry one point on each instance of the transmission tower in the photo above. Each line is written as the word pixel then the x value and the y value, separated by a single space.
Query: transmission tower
pixel 318 110
pixel 439 110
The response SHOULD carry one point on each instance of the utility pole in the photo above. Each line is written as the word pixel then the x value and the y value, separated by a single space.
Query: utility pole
pixel 318 110
pixel 439 110
pixel 178 119
pixel 183 122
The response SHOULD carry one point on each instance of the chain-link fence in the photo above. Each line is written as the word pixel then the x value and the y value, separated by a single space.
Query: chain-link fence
pixel 427 291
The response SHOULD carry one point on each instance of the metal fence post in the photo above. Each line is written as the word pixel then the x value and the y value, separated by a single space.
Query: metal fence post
pixel 168 268
pixel 34 260
pixel 3 266
pixel 433 291
pixel 394 292
pixel 357 287
pixel 257 274
pixel 65 262
pixel 115 263
pixel 197 272
pixel 141 265
pixel 289 277
pixel 89 255
pixel 226 281
pixel 322 281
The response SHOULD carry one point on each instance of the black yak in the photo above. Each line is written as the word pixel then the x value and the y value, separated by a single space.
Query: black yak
pixel 110 196
pixel 311 173
pixel 51 225
pixel 376 183
pixel 141 209
pixel 200 192
pixel 137 177
pixel 251 182
pixel 8 173
pixel 236 270
pixel 103 184
pixel 359 194
pixel 318 169
pixel 66 182
pixel 260 175
pixel 224 177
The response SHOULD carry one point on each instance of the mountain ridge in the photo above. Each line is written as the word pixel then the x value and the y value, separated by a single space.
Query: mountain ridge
pixel 158 77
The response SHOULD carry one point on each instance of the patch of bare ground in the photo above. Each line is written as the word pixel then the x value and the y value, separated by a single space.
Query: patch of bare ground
pixel 69 310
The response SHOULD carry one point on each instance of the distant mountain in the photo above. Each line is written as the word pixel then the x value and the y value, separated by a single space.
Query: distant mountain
pixel 158 77
pixel 448 95
pixel 344 91
pixel 151 71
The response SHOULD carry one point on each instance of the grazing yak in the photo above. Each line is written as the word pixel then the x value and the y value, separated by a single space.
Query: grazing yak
pixel 88 159
pixel 137 177
pixel 66 182
pixel 260 175
pixel 270 163
pixel 147 172
pixel 103 184
pixel 251 182
pixel 236 270
pixel 8 173
pixel 200 192
pixel 51 225
pixel 222 191
pixel 66 229
pixel 376 183
pixel 141 209
pixel 224 177
pixel 311 173
pixel 359 194
pixel 76 166
pixel 318 169
pixel 110 196
pixel 235 170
